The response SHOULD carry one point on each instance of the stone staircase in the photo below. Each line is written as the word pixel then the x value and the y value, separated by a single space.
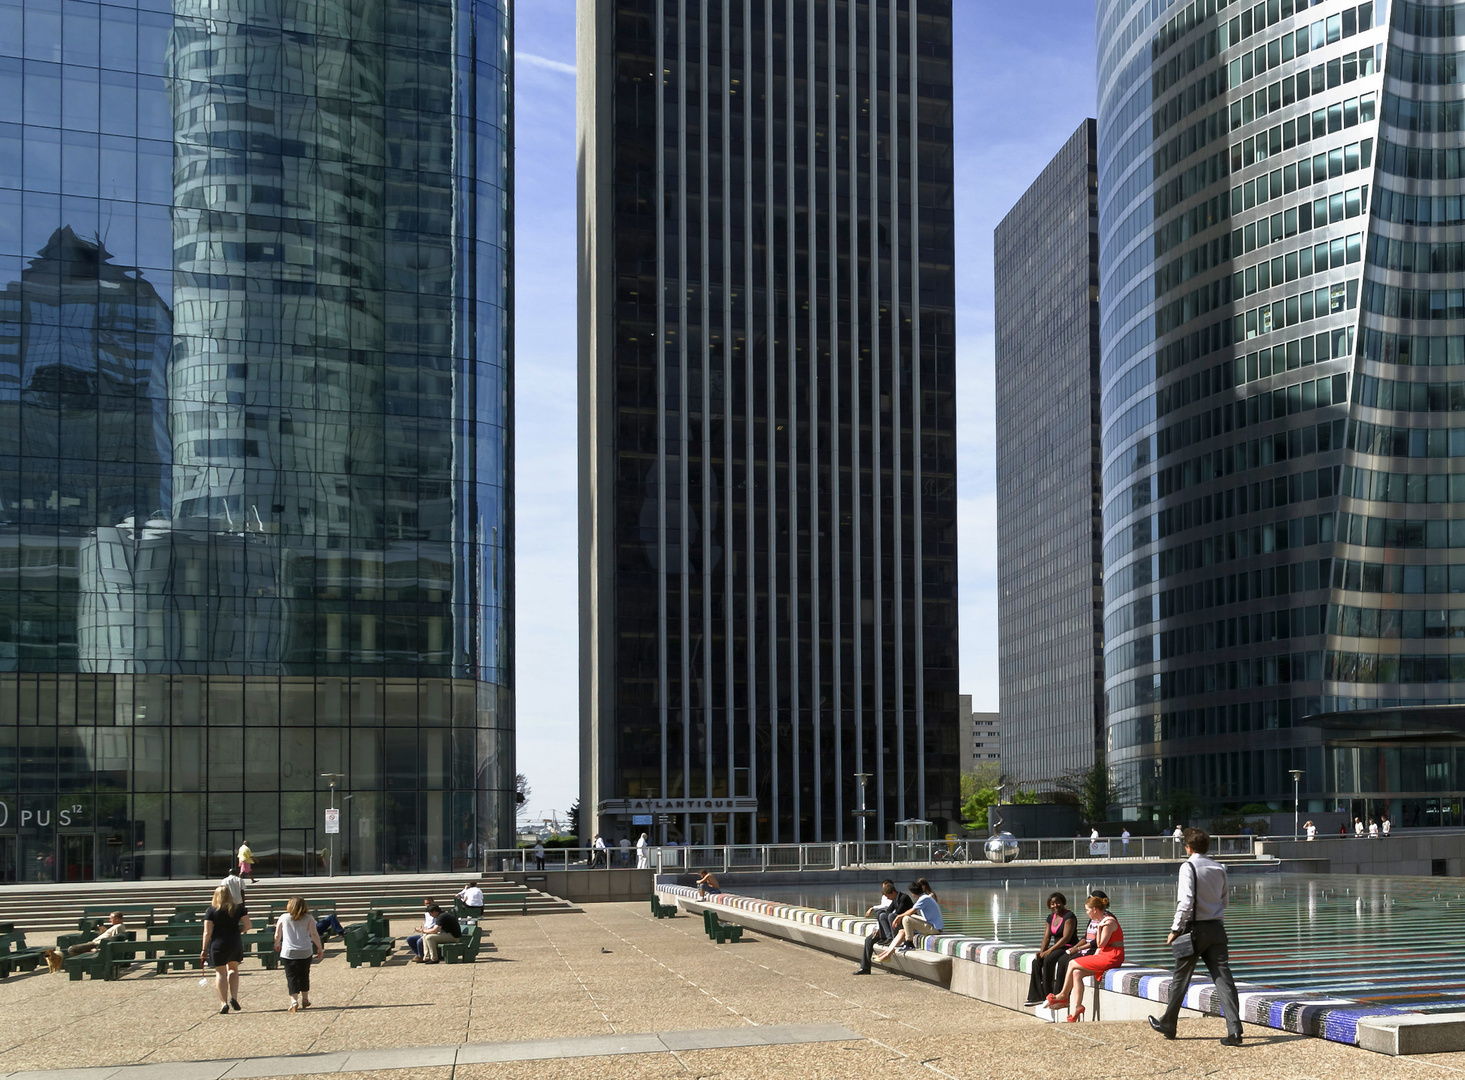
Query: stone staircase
pixel 55 908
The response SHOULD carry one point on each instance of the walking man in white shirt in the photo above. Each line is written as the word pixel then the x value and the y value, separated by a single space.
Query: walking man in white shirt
pixel 1200 910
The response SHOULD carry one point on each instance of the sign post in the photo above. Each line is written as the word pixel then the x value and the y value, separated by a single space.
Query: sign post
pixel 333 821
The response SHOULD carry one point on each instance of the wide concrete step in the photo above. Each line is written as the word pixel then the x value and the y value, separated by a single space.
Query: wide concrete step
pixel 56 908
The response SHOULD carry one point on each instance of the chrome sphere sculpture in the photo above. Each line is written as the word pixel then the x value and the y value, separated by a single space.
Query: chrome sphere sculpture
pixel 1001 848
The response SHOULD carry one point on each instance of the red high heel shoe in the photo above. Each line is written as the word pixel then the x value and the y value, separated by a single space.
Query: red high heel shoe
pixel 1073 1016
pixel 1056 1002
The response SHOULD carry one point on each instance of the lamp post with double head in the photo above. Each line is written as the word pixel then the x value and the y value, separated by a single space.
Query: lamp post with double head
pixel 1296 784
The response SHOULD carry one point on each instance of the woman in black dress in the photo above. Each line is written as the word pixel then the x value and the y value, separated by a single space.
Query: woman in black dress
pixel 224 925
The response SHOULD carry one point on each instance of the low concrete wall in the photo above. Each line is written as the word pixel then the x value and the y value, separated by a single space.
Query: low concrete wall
pixel 589 886
pixel 1404 853
pixel 984 982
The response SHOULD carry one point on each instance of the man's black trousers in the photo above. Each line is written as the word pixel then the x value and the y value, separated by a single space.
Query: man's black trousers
pixel 1210 946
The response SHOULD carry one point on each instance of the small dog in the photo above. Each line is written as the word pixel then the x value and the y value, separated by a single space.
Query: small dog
pixel 54 960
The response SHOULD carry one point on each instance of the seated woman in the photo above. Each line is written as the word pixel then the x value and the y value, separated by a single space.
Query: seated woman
pixel 1101 950
pixel 1059 934
pixel 924 917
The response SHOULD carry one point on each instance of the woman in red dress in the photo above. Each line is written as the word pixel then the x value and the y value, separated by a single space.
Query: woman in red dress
pixel 1101 950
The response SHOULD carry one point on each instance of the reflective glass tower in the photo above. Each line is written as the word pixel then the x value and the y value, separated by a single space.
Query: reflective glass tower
pixel 1050 616
pixel 767 439
pixel 254 402
pixel 1281 292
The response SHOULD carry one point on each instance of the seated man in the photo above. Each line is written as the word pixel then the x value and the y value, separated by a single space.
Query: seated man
pixel 892 902
pixel 429 924
pixel 447 930
pixel 112 930
pixel 329 925
pixel 472 898
pixel 707 885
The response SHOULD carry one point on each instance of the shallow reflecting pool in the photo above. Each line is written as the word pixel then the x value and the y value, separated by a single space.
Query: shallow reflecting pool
pixel 1382 940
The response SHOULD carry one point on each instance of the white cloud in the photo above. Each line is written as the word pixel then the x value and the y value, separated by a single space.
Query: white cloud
pixel 544 62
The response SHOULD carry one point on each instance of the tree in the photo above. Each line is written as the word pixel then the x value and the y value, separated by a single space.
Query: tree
pixel 1095 789
pixel 981 788
pixel 575 818
pixel 1179 805
pixel 522 791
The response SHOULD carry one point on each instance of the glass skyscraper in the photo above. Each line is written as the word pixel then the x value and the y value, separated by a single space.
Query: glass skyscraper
pixel 1050 613
pixel 255 415
pixel 1281 276
pixel 767 439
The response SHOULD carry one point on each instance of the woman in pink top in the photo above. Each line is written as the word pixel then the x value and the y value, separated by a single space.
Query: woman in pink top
pixel 1060 932
pixel 1101 950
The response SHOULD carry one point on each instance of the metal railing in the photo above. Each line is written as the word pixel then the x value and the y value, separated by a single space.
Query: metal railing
pixel 774 858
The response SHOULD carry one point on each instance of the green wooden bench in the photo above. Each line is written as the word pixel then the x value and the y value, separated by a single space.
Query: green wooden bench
pixel 176 953
pixel 92 917
pixel 718 930
pixel 464 950
pixel 495 904
pixel 388 906
pixel 363 947
pixel 15 955
pixel 660 910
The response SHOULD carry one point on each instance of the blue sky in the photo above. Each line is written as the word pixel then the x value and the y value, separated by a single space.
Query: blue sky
pixel 1024 81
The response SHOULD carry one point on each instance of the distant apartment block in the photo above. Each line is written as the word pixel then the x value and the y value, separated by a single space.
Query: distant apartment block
pixel 979 737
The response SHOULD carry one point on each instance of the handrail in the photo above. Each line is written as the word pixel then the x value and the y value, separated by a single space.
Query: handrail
pixel 790 858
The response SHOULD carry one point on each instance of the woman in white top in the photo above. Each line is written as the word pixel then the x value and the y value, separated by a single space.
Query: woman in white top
pixel 296 940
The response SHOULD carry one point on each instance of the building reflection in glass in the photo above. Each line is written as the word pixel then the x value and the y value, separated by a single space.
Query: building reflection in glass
pixel 289 553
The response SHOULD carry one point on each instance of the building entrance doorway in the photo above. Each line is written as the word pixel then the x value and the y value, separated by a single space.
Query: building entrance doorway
pixel 78 858
pixel 223 844
pixel 299 856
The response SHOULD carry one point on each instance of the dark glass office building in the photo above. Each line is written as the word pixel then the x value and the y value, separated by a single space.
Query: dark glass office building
pixel 1284 467
pixel 1050 609
pixel 767 441
pixel 254 435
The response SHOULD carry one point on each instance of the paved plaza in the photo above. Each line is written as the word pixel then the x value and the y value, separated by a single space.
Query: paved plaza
pixel 606 994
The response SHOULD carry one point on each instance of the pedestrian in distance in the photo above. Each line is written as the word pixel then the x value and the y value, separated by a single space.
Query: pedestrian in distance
pixel 1386 825
pixel 297 940
pixel 643 853
pixel 246 863
pixel 924 917
pixel 1373 830
pixel 1124 837
pixel 429 924
pixel 1060 933
pixel 539 854
pixel 1199 933
pixel 1311 830
pixel 1101 950
pixel 447 929
pixel 625 846
pixel 1358 827
pixel 602 853
pixel 472 898
pixel 224 925
pixel 113 929
pixel 235 884
pixel 892 902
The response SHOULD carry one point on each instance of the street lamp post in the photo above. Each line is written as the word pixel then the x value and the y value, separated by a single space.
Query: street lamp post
pixel 1296 778
pixel 863 813
pixel 331 778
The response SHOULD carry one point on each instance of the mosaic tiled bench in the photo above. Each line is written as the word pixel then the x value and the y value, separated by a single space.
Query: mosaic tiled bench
pixel 1338 1019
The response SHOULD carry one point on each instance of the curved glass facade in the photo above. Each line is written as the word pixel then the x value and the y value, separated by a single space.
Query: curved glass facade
pixel 255 449
pixel 1282 332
